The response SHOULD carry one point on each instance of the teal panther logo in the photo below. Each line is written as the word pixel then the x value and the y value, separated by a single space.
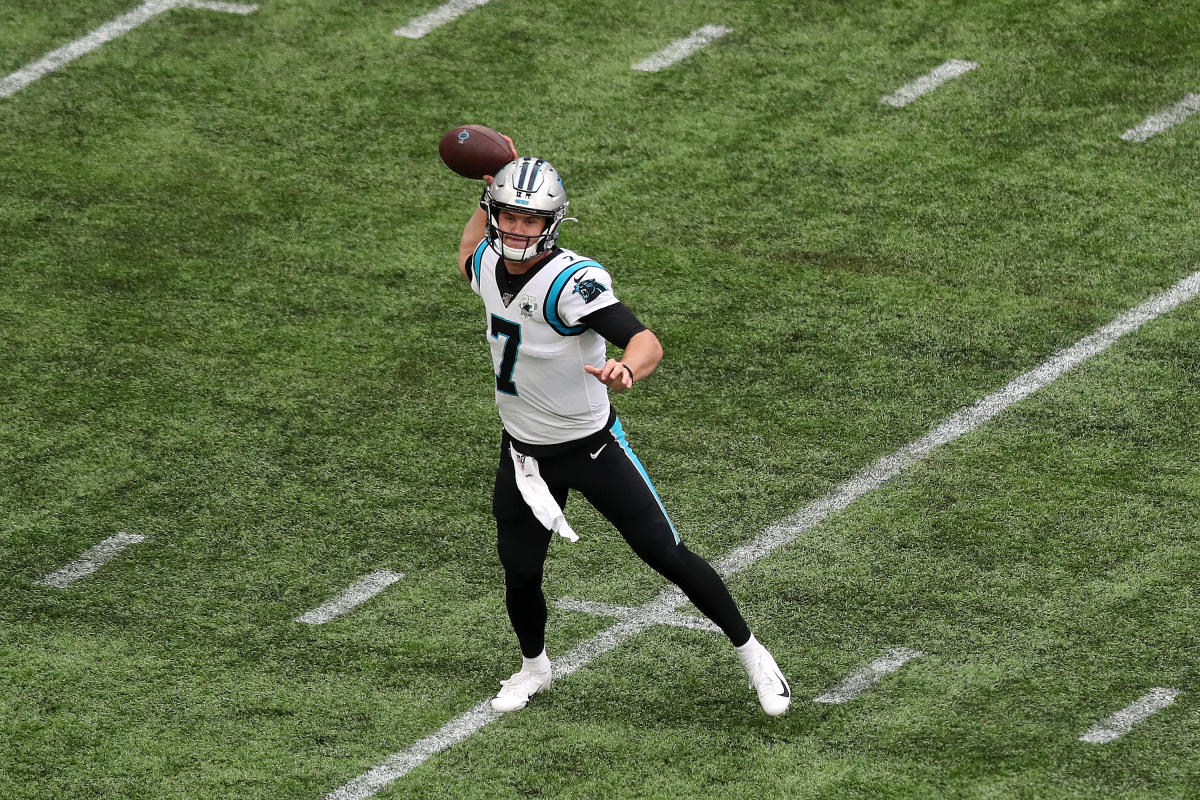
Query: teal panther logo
pixel 588 289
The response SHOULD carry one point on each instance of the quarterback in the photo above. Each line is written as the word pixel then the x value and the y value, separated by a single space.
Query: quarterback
pixel 549 313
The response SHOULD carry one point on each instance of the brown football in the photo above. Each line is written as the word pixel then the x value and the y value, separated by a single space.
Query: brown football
pixel 474 151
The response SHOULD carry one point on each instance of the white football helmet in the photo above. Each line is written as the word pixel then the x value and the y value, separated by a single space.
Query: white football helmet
pixel 526 186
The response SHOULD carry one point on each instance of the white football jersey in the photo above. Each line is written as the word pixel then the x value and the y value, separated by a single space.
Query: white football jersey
pixel 539 347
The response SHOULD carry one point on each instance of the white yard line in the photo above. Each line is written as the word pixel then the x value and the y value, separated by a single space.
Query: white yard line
pixel 105 33
pixel 358 593
pixel 444 13
pixel 679 50
pixel 858 682
pixel 627 612
pixel 91 560
pixel 959 424
pixel 1123 721
pixel 670 599
pixel 400 764
pixel 926 84
pixel 228 8
pixel 1160 122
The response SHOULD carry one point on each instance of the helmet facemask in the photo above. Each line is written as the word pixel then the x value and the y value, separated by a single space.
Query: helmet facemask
pixel 533 245
pixel 525 186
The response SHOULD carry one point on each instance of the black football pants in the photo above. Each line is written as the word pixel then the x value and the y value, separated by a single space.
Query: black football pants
pixel 605 471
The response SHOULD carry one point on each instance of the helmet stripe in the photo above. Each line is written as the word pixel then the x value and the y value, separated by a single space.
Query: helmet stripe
pixel 537 168
pixel 527 179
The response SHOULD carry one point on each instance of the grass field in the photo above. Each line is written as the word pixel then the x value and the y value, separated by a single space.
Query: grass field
pixel 232 324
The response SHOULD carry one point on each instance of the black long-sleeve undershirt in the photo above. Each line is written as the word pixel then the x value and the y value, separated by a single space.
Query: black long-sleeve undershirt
pixel 616 323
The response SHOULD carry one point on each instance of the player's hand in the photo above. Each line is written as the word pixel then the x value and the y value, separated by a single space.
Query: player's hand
pixel 511 146
pixel 615 375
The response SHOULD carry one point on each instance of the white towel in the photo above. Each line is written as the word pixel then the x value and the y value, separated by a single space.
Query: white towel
pixel 537 496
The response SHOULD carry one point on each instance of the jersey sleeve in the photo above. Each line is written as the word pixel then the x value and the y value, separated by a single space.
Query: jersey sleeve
pixel 579 290
pixel 474 265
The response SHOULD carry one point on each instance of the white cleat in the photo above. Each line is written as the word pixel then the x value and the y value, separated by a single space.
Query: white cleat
pixel 515 692
pixel 774 694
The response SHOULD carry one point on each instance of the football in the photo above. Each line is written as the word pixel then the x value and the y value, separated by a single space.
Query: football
pixel 474 151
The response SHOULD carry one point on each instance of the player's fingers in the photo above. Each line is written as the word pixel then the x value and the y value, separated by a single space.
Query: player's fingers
pixel 511 146
pixel 589 369
pixel 598 373
pixel 488 179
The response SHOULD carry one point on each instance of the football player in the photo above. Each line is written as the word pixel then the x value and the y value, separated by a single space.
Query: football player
pixel 549 313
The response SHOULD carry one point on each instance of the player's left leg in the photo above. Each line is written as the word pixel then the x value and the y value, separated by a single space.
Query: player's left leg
pixel 617 485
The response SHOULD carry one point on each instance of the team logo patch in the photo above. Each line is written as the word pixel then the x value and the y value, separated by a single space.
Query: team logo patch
pixel 589 289
pixel 528 306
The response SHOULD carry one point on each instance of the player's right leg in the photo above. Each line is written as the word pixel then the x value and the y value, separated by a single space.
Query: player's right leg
pixel 522 543
pixel 522 552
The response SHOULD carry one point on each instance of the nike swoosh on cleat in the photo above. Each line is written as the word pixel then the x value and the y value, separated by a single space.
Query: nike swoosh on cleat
pixel 598 452
pixel 787 691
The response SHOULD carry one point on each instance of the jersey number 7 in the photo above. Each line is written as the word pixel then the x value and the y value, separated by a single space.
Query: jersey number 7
pixel 511 332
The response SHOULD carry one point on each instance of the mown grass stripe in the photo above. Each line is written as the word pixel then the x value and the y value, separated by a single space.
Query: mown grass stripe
pixel 1123 721
pixel 90 561
pixel 671 598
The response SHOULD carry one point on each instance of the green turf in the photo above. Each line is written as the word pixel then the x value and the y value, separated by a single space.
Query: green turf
pixel 232 324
